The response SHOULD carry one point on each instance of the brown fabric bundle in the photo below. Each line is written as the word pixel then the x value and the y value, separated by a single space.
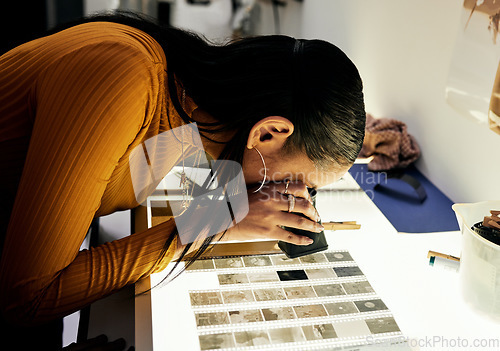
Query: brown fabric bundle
pixel 389 142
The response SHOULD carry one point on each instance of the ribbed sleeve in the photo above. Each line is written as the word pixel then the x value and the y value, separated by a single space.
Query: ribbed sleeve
pixel 90 105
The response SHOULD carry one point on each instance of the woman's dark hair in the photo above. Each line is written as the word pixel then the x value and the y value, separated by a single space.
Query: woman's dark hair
pixel 310 82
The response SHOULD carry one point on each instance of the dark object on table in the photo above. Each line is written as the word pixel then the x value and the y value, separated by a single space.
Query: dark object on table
pixel 489 227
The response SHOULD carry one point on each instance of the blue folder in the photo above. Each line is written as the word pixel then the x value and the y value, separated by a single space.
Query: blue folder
pixel 408 199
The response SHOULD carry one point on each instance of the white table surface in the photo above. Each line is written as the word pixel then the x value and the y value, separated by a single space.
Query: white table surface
pixel 426 301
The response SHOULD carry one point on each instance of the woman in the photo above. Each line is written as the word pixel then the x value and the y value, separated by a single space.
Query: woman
pixel 75 104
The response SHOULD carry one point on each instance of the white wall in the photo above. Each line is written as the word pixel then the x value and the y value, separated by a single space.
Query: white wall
pixel 403 50
pixel 92 6
pixel 213 20
pixel 290 18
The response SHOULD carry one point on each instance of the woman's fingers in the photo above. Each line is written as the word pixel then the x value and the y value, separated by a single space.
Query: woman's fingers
pixel 270 209
pixel 301 205
pixel 298 189
pixel 289 237
pixel 303 201
pixel 293 220
pixel 87 344
pixel 282 203
pixel 99 343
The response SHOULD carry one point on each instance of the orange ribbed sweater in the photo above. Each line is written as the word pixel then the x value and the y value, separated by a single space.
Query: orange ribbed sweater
pixel 72 107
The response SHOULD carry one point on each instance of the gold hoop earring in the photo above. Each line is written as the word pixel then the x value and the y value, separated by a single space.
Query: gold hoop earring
pixel 265 170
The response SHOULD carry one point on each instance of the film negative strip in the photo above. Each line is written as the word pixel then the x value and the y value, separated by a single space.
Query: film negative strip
pixel 272 294
pixel 315 302
pixel 294 277
pixel 312 336
pixel 247 263
pixel 230 318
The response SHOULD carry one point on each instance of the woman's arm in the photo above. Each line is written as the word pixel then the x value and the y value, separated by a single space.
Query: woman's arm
pixel 90 106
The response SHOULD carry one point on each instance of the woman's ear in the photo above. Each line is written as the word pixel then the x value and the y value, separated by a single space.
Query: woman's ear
pixel 270 133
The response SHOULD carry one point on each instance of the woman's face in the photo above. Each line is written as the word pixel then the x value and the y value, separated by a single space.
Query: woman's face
pixel 268 136
pixel 296 167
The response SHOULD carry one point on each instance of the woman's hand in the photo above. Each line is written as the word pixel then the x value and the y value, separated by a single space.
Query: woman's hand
pixel 268 212
pixel 99 343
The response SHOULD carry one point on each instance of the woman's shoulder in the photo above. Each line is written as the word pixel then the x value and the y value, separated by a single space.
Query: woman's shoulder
pixel 92 33
pixel 118 38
